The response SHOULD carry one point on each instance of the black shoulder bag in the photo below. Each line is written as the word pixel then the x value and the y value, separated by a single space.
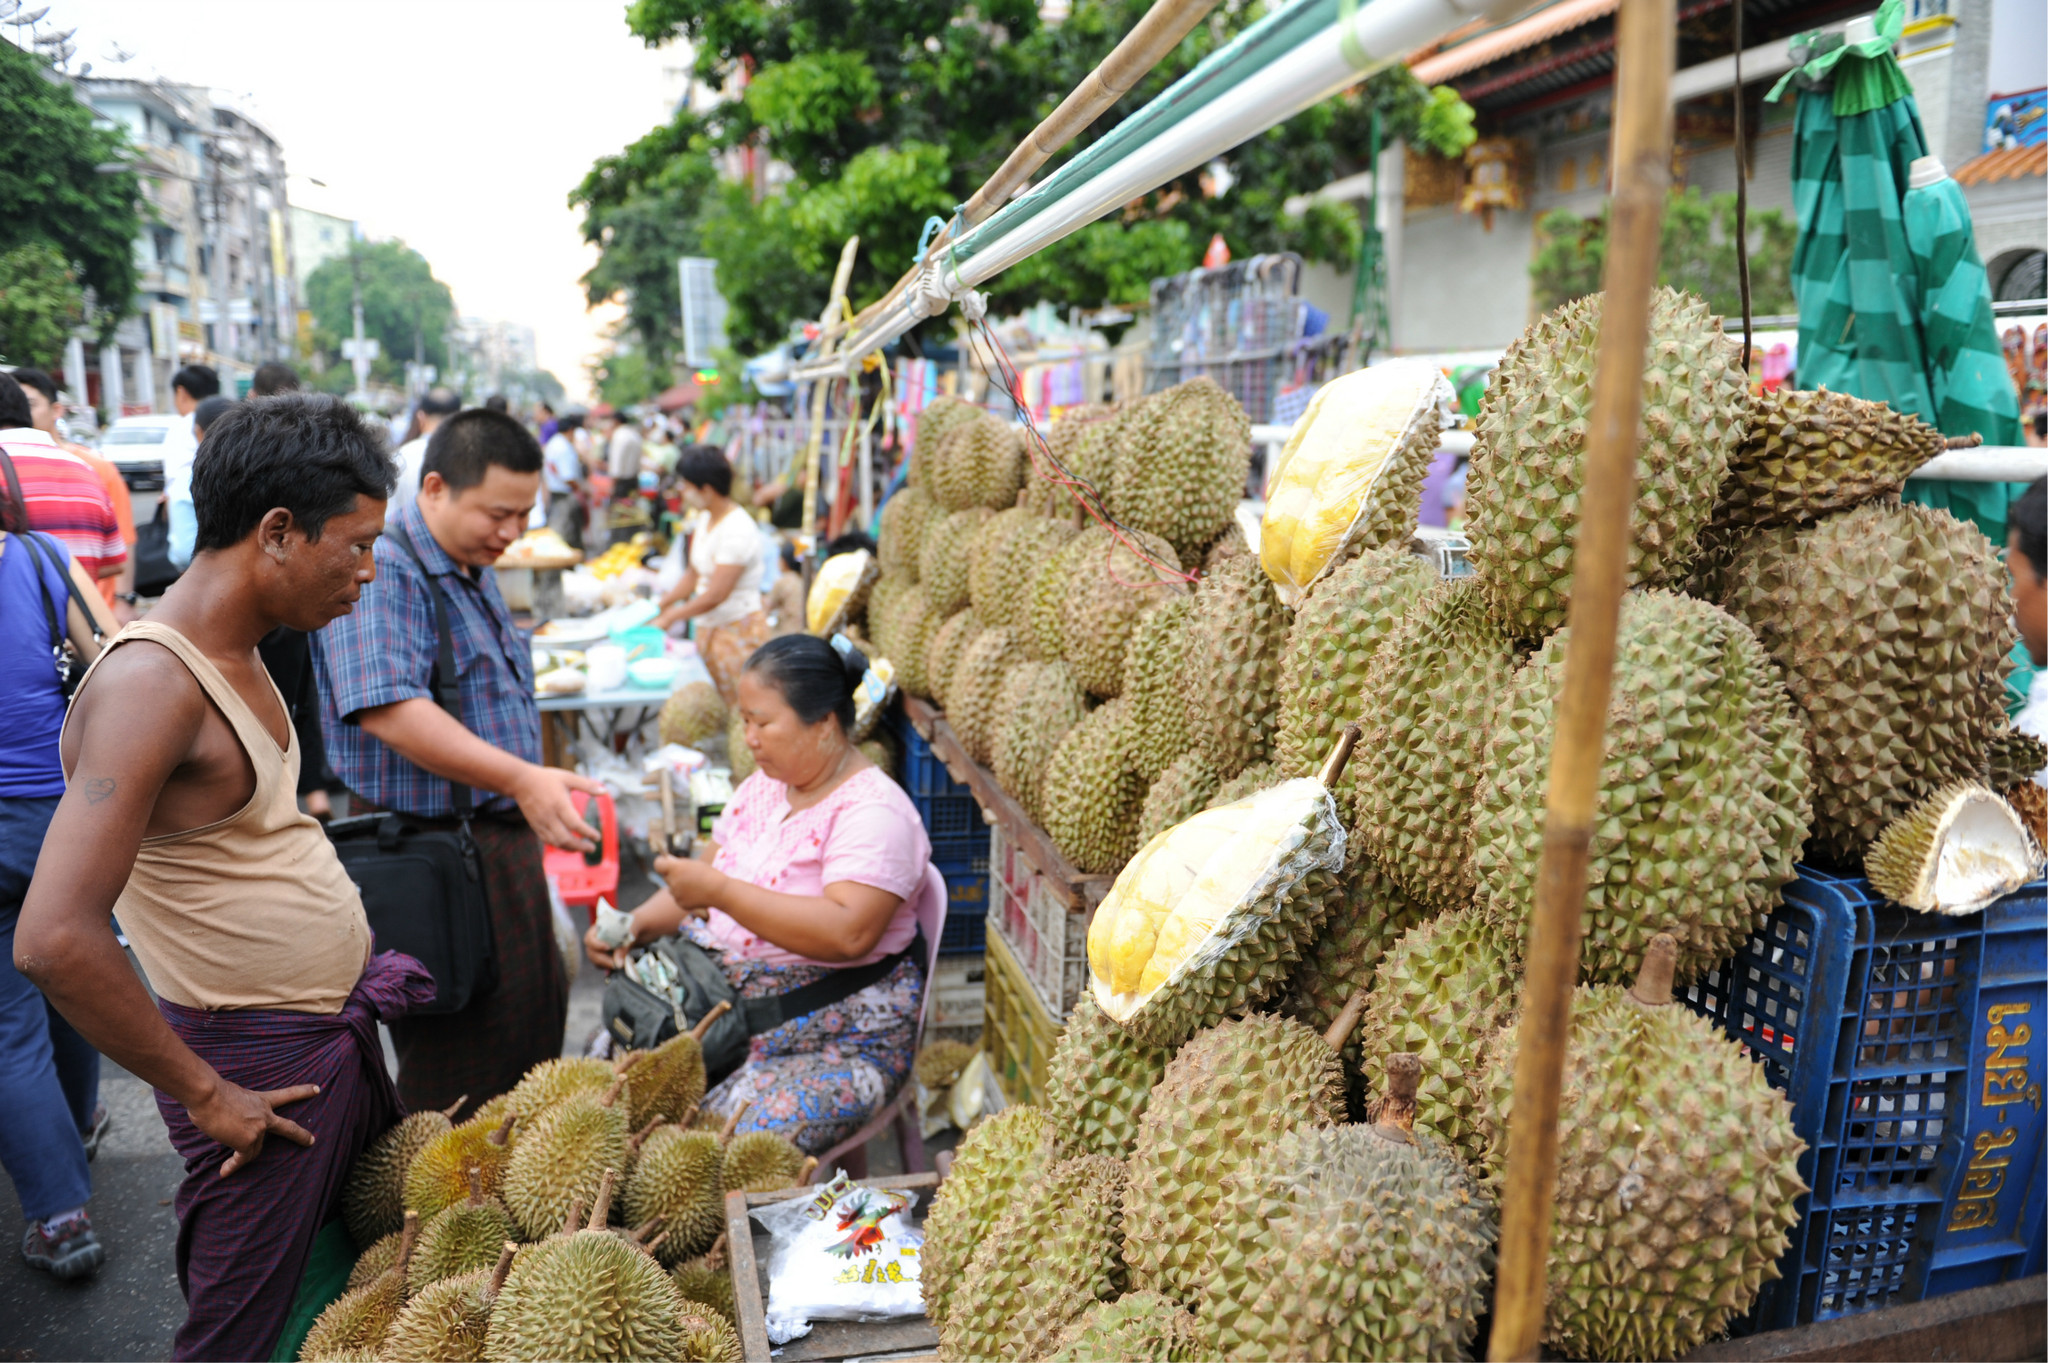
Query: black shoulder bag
pixel 423 888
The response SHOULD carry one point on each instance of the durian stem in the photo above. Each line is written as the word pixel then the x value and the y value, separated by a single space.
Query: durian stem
pixel 651 1226
pixel 407 1238
pixel 626 1062
pixel 454 1107
pixel 602 1212
pixel 1652 988
pixel 804 1175
pixel 652 1245
pixel 611 1095
pixel 476 1186
pixel 732 1123
pixel 504 1131
pixel 1645 45
pixel 718 1010
pixel 640 1136
pixel 505 1257
pixel 1963 442
pixel 1340 1030
pixel 1333 766
pixel 1396 1116
pixel 713 1255
pixel 575 1221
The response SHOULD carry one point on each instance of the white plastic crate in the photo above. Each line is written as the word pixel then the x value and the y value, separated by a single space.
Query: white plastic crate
pixel 959 992
pixel 1059 966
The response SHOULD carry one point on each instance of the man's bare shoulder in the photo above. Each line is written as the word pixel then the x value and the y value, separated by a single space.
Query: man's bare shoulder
pixel 148 677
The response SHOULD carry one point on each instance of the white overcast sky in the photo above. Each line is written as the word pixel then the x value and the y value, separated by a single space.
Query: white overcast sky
pixel 457 125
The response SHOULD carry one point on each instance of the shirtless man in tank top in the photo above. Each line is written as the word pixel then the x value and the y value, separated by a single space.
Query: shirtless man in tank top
pixel 179 734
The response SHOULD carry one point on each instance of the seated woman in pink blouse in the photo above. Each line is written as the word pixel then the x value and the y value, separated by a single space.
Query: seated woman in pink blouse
pixel 814 867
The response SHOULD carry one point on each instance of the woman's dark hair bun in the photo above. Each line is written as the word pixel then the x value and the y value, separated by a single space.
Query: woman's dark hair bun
pixel 817 678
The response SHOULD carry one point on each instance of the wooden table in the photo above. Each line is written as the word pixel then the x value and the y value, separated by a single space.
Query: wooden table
pixel 907 1337
pixel 2005 1321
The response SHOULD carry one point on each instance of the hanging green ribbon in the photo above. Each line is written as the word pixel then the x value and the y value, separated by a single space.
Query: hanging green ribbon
pixel 1870 81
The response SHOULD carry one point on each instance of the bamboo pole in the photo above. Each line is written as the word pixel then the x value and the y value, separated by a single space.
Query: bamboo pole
pixel 831 326
pixel 1647 38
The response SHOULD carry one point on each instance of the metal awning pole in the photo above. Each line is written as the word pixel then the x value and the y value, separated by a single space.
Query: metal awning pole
pixel 1646 46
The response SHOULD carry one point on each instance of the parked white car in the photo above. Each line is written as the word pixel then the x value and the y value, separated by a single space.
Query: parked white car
pixel 135 445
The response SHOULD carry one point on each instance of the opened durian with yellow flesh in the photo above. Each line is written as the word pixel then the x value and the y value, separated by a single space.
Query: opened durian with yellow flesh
pixel 1352 471
pixel 839 590
pixel 1212 914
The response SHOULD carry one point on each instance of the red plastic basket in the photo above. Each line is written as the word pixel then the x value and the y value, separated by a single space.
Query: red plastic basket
pixel 579 883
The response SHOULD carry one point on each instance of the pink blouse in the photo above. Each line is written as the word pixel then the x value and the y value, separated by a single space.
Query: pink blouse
pixel 866 831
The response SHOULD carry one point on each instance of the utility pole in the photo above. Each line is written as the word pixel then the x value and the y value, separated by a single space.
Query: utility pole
pixel 359 348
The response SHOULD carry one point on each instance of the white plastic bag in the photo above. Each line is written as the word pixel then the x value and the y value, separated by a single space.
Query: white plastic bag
pixel 844 1252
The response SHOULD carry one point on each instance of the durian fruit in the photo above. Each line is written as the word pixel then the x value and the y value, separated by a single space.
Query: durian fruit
pixel 1156 683
pixel 1000 1158
pixel 1015 1305
pixel 563 1157
pixel 1351 473
pixel 1138 1327
pixel 355 1323
pixel 948 468
pixel 1677 1172
pixel 1098 1081
pixel 1181 462
pixel 587 1295
pixel 941 1062
pixel 1440 993
pixel 1235 636
pixel 668 1081
pixel 942 415
pixel 738 756
pixel 2011 757
pixel 883 751
pixel 374 1262
pixel 460 1239
pixel 1352 1242
pixel 942 563
pixel 1370 915
pixel 912 623
pixel 446 1321
pixel 1212 914
pixel 994 457
pixel 902 532
pixel 1955 852
pixel 1015 566
pixel 988 561
pixel 1091 794
pixel 1250 781
pixel 1429 707
pixel 1337 631
pixel 1046 600
pixel 762 1162
pixel 552 1081
pixel 1112 582
pixel 943 655
pixel 1226 1095
pixel 677 1177
pixel 1528 464
pixel 977 688
pixel 439 1176
pixel 838 598
pixel 707 1337
pixel 1891 624
pixel 707 1281
pixel 1806 454
pixel 1043 704
pixel 1182 791
pixel 883 602
pixel 692 713
pixel 1228 545
pixel 1082 442
pixel 373 1199
pixel 1704 790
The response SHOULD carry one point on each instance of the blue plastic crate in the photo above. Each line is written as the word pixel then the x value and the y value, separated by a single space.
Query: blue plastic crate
pixel 1912 1048
pixel 924 775
pixel 966 929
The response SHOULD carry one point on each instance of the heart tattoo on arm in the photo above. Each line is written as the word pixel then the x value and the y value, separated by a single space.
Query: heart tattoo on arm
pixel 98 789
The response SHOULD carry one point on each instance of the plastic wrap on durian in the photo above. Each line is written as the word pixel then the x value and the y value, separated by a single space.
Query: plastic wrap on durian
pixel 1351 471
pixel 1196 923
pixel 842 584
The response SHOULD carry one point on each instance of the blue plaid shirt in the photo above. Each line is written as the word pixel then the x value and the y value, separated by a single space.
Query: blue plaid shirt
pixel 384 652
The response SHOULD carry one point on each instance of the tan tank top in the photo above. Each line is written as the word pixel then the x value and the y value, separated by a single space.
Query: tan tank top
pixel 254 911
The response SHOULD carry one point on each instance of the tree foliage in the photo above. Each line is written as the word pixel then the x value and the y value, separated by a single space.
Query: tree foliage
pixel 40 303
pixel 1697 253
pixel 400 294
pixel 52 192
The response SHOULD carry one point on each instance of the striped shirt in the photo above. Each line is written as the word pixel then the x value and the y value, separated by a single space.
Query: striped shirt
pixel 65 498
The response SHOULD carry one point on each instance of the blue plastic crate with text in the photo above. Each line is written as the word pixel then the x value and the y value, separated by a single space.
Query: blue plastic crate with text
pixel 1911 1047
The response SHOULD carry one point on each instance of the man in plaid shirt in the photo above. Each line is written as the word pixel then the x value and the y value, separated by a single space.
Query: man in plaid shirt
pixel 396 748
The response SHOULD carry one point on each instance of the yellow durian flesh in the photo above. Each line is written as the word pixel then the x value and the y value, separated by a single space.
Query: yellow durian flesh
pixel 1339 449
pixel 1176 903
pixel 838 578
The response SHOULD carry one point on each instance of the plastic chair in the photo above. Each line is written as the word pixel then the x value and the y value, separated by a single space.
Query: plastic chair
pixel 851 1154
pixel 580 883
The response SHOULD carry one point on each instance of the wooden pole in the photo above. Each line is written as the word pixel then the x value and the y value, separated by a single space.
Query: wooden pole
pixel 831 325
pixel 1647 38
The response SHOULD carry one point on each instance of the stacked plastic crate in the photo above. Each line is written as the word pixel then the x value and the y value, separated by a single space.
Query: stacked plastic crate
pixel 960 849
pixel 1047 938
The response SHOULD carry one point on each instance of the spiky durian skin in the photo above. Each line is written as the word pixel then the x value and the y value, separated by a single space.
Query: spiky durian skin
pixel 1368 915
pixel 1236 634
pixel 941 1062
pixel 1528 465
pixel 988 560
pixel 1905 861
pixel 902 533
pixel 940 416
pixel 2011 757
pixel 1337 631
pixel 1429 707
pixel 552 1081
pixel 1677 1178
pixel 1138 1327
pixel 1891 624
pixel 999 1158
pixel 590 1295
pixel 445 1322
pixel 458 1240
pixel 1012 1305
pixel 1804 455
pixel 1441 991
pixel 1155 679
pixel 438 1176
pixel 1250 781
pixel 759 1162
pixel 708 1337
pixel 691 714
pixel 913 623
pixel 1346 1243
pixel 373 1199
pixel 1704 791
pixel 1091 795
pixel 373 1262
pixel 947 647
pixel 1083 442
pixel 1112 580
pixel 678 1177
pixel 1046 707
pixel 669 1080
pixel 977 688
pixel 1181 463
pixel 942 562
pixel 563 1159
pixel 1182 791
pixel 707 1285
pixel 1046 601
pixel 1225 1094
pixel 1014 568
pixel 738 756
pixel 995 463
pixel 1098 1081
pixel 355 1323
pixel 949 467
